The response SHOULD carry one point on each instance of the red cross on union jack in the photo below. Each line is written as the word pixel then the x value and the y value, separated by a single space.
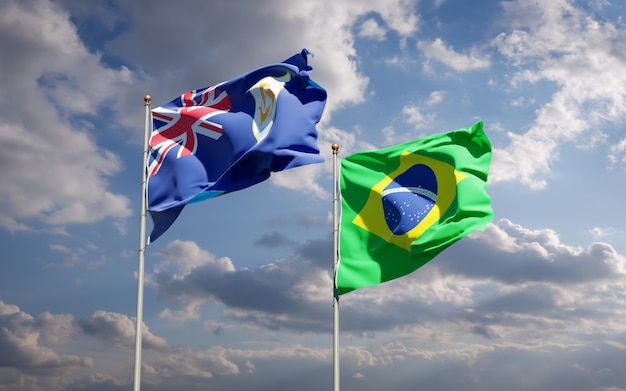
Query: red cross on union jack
pixel 182 126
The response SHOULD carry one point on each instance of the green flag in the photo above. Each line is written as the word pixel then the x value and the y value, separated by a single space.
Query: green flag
pixel 403 205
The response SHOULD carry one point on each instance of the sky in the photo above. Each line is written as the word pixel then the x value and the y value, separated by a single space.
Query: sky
pixel 238 291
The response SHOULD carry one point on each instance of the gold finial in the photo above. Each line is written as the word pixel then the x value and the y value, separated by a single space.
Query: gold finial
pixel 335 148
pixel 147 99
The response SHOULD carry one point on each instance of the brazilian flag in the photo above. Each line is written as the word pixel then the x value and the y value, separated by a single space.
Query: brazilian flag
pixel 403 205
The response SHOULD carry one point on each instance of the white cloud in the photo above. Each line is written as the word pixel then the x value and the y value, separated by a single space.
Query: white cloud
pixel 22 338
pixel 52 170
pixel 617 154
pixel 187 255
pixel 601 232
pixel 583 58
pixel 371 29
pixel 323 27
pixel 120 330
pixel 415 116
pixel 438 51
pixel 435 97
pixel 56 328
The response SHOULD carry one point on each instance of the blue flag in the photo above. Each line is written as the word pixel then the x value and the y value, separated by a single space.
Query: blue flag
pixel 230 136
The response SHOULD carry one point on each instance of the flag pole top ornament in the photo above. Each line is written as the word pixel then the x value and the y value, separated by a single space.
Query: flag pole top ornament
pixel 147 99
pixel 335 148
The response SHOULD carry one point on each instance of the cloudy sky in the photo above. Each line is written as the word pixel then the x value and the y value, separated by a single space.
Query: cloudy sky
pixel 238 292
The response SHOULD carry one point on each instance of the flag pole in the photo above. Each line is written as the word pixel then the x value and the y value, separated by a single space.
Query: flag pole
pixel 335 148
pixel 142 246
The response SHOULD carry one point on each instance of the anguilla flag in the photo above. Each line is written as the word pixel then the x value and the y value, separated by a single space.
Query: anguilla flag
pixel 403 205
pixel 230 136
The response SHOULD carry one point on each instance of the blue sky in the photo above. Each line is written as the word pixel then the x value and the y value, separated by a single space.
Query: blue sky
pixel 238 292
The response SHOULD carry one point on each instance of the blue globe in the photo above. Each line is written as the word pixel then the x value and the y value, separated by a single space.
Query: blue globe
pixel 409 198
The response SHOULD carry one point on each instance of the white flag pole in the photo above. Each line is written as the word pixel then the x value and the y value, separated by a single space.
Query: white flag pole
pixel 335 148
pixel 142 245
